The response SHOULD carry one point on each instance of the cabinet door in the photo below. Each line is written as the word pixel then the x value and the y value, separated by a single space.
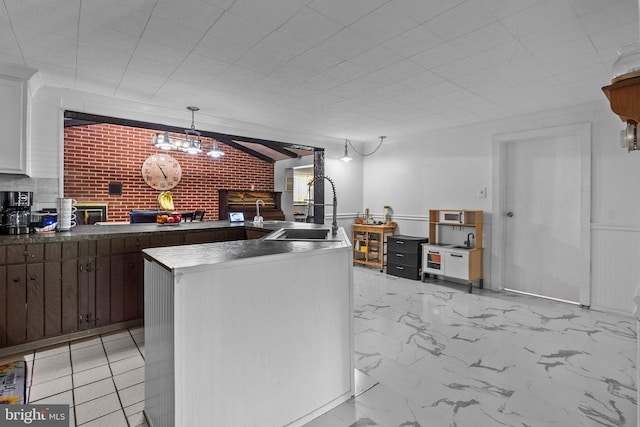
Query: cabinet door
pixel 53 298
pixel 102 307
pixel 16 304
pixel 69 296
pixel 35 301
pixel 457 265
pixel 13 121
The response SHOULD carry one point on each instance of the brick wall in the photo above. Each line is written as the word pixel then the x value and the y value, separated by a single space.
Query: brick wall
pixel 97 155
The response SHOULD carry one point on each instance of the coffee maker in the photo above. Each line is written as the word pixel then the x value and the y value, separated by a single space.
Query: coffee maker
pixel 15 212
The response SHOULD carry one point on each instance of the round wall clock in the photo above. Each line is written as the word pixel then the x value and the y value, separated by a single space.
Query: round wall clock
pixel 161 171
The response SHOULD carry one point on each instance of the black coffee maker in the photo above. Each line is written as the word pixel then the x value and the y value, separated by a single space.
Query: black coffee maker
pixel 15 212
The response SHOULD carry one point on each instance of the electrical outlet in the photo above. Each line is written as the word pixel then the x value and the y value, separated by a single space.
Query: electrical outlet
pixel 482 192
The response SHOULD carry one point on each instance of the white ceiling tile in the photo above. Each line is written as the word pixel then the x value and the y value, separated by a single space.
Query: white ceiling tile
pixel 385 23
pixel 460 20
pixel 103 55
pixel 347 44
pixel 132 77
pixel 175 92
pixel 157 52
pixel 423 80
pixel 541 16
pixel 376 59
pixel 195 14
pixel 143 64
pixel 126 16
pixel 259 62
pixel 606 18
pixel 90 82
pixel 415 40
pixel 280 46
pixel 316 60
pixel 238 30
pixel 482 39
pixel 57 17
pixel 425 10
pixel 558 34
pixel 100 68
pixel 401 70
pixel 616 37
pixel 345 12
pixel 106 38
pixel 583 7
pixel 167 33
pixel 198 69
pixel 501 9
pixel 271 14
pixel 335 76
pixel 309 27
pixel 220 49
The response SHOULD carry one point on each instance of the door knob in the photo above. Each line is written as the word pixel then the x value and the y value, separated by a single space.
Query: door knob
pixel 509 214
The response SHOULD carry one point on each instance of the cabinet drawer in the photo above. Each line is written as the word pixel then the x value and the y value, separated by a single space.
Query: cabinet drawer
pixel 403 271
pixel 406 244
pixel 409 259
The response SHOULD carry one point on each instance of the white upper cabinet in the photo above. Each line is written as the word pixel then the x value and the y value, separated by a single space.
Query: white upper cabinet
pixel 14 142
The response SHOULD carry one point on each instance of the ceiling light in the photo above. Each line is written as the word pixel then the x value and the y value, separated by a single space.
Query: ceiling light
pixel 347 158
pixel 190 144
pixel 215 152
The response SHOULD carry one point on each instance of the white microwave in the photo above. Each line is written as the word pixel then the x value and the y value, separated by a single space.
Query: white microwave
pixel 451 217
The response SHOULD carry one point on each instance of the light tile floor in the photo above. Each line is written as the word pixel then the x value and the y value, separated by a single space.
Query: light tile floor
pixel 427 355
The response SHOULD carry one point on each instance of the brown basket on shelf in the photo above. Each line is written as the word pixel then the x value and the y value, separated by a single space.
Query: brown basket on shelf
pixel 359 218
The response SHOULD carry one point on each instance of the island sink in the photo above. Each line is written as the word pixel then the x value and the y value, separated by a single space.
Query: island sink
pixel 304 234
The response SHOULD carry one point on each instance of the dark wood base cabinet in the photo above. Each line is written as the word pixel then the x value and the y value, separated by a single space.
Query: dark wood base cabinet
pixel 79 287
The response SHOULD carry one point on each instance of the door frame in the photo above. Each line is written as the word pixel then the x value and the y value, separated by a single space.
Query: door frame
pixel 499 182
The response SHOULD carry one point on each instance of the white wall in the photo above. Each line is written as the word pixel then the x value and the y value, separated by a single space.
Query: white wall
pixel 443 169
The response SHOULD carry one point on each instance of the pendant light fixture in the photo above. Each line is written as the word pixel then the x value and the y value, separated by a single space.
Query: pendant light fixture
pixel 190 144
pixel 624 91
pixel 215 152
pixel 347 158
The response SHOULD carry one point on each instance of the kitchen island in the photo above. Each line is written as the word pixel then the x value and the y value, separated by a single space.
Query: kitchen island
pixel 61 286
pixel 250 333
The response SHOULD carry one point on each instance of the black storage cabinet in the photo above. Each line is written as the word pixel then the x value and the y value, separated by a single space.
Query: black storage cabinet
pixel 404 256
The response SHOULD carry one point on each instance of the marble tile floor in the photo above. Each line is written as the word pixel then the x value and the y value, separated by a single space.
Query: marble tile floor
pixel 427 355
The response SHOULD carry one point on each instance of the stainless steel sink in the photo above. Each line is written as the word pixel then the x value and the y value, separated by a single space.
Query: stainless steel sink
pixel 304 234
pixel 460 247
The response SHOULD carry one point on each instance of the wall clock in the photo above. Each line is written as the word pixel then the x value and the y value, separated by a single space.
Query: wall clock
pixel 161 171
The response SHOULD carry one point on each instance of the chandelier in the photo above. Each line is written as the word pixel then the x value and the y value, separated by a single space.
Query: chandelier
pixel 190 144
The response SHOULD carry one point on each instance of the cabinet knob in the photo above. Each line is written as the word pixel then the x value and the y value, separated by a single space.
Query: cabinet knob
pixel 25 253
pixel 33 277
pixel 16 279
pixel 510 214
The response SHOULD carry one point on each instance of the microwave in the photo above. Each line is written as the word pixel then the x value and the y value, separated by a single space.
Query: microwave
pixel 451 217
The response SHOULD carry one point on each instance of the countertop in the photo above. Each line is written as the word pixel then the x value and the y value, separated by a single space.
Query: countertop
pixel 175 257
pixel 83 232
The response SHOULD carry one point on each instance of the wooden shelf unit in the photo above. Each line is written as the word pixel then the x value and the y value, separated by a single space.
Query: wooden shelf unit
pixel 370 245
pixel 473 219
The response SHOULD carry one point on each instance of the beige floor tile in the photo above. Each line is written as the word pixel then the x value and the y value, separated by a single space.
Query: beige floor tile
pixel 137 419
pixel 49 368
pixel 85 342
pixel 134 409
pixel 128 364
pixel 97 408
pixel 115 335
pixel 122 353
pixel 52 350
pixel 114 419
pixel 131 395
pixel 49 388
pixel 129 378
pixel 91 375
pixel 93 391
pixel 64 398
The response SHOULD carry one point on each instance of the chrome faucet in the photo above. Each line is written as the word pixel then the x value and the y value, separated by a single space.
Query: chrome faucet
pixel 334 224
pixel 468 241
pixel 258 218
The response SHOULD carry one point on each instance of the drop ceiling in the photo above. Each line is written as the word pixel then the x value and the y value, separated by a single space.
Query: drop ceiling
pixel 332 68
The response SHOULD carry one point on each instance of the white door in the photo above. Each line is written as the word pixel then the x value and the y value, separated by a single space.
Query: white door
pixel 547 216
